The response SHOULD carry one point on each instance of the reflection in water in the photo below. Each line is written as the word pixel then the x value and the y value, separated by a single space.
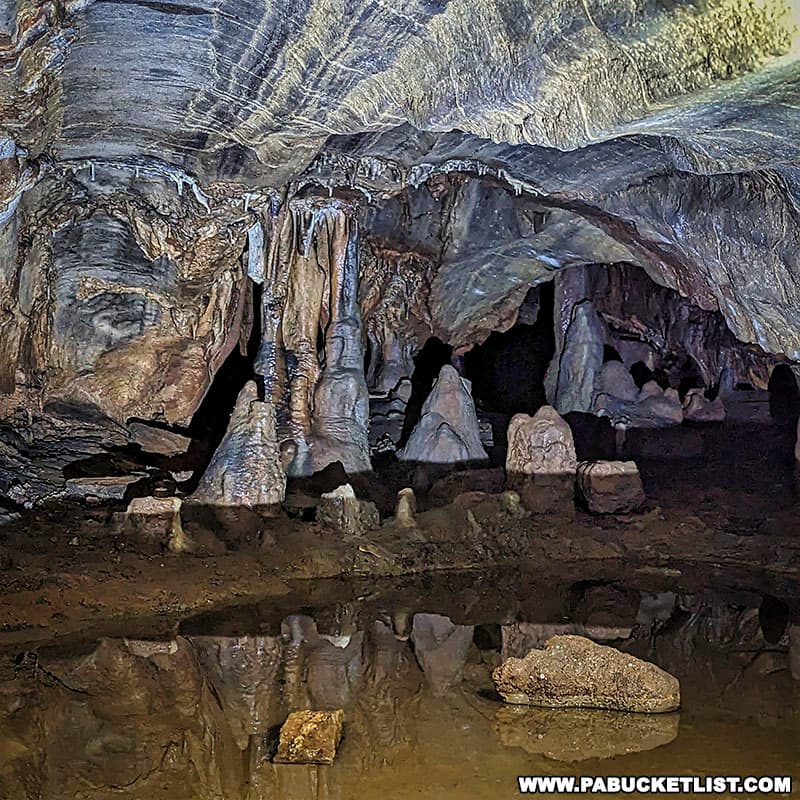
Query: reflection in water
pixel 196 717
pixel 579 734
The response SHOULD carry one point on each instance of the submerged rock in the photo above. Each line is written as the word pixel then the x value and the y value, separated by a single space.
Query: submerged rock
pixel 246 467
pixel 611 487
pixel 344 512
pixel 580 734
pixel 541 462
pixel 575 672
pixel 310 737
pixel 448 431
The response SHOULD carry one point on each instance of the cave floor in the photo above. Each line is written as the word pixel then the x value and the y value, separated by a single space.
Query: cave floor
pixel 728 518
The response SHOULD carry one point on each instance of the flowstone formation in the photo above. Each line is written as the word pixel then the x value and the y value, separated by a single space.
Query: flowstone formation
pixel 319 201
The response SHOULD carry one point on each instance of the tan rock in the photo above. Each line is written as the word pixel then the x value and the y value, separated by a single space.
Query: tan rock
pixel 698 408
pixel 110 488
pixel 246 468
pixel 405 509
pixel 310 737
pixel 156 521
pixel 611 487
pixel 344 512
pixel 575 672
pixel 158 440
pixel 579 734
pixel 541 462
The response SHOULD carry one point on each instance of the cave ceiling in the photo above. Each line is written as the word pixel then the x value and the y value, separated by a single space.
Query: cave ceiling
pixel 502 140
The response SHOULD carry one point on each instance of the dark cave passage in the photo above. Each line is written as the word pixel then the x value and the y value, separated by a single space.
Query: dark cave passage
pixel 427 364
pixel 508 370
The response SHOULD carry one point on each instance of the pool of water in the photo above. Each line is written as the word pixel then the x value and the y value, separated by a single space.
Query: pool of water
pixel 192 712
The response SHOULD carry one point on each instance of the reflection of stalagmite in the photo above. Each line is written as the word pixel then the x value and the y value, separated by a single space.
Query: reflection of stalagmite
pixel 441 649
pixel 311 288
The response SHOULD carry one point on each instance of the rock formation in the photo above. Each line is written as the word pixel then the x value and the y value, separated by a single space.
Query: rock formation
pixel 162 206
pixel 541 462
pixel 574 672
pixel 246 468
pixel 611 487
pixel 310 737
pixel 447 431
pixel 344 512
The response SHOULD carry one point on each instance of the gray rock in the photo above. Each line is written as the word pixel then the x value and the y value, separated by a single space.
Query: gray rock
pixel 441 649
pixel 572 671
pixel 448 430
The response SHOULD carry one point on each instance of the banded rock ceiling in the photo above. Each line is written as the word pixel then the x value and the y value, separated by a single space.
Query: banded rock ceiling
pixel 150 147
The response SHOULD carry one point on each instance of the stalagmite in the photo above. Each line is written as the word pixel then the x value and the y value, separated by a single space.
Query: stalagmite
pixel 611 487
pixel 541 462
pixel 405 509
pixel 246 467
pixel 448 430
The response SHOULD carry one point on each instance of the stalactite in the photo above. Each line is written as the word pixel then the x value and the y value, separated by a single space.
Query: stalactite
pixel 311 289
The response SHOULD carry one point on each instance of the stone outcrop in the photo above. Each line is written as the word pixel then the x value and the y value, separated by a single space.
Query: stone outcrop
pixel 310 737
pixel 156 524
pixel 344 512
pixel 405 509
pixel 652 407
pixel 574 672
pixel 158 440
pixel 448 430
pixel 541 462
pixel 246 468
pixel 611 487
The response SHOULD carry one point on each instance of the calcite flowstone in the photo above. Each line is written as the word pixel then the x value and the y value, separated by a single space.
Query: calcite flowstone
pixel 448 431
pixel 246 468
pixel 156 521
pixel 344 512
pixel 611 487
pixel 310 737
pixel 541 462
pixel 575 672
pixel 579 734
